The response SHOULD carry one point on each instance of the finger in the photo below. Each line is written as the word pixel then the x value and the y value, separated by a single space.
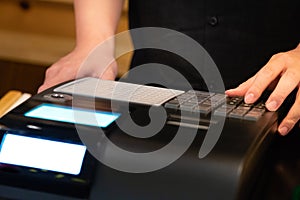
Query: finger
pixel 41 88
pixel 287 83
pixel 291 119
pixel 45 86
pixel 50 82
pixel 241 89
pixel 264 78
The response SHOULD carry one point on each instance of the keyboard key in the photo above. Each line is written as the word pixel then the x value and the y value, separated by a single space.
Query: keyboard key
pixel 173 104
pixel 260 105
pixel 187 106
pixel 246 105
pixel 217 100
pixel 223 111
pixel 202 108
pixel 238 113
pixel 253 115
pixel 258 110
pixel 234 100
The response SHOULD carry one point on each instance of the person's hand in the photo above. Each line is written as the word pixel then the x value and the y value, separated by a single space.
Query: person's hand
pixel 70 67
pixel 283 69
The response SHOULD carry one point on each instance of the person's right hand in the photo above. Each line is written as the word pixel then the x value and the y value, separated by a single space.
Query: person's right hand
pixel 283 72
pixel 69 68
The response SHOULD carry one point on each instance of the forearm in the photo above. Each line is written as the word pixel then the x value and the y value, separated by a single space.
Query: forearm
pixel 96 20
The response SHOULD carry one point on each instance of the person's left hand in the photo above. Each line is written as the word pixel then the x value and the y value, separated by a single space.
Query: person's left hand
pixel 284 68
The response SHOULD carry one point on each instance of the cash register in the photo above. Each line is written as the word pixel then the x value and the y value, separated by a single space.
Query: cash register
pixel 68 142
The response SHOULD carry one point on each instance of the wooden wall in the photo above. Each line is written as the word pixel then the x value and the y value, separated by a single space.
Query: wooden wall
pixel 36 33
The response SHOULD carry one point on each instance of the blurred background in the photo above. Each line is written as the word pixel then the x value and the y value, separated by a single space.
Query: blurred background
pixel 36 33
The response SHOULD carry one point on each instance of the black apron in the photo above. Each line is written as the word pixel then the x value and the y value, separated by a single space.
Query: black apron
pixel 240 35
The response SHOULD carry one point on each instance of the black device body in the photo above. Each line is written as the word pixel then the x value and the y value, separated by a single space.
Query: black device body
pixel 232 170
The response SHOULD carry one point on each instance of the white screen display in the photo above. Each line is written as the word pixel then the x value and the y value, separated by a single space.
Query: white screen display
pixel 73 115
pixel 42 154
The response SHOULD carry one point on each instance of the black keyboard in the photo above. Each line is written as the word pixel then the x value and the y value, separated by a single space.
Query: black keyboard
pixel 206 103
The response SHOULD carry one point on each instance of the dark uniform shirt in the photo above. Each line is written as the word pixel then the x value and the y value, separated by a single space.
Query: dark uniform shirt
pixel 240 35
